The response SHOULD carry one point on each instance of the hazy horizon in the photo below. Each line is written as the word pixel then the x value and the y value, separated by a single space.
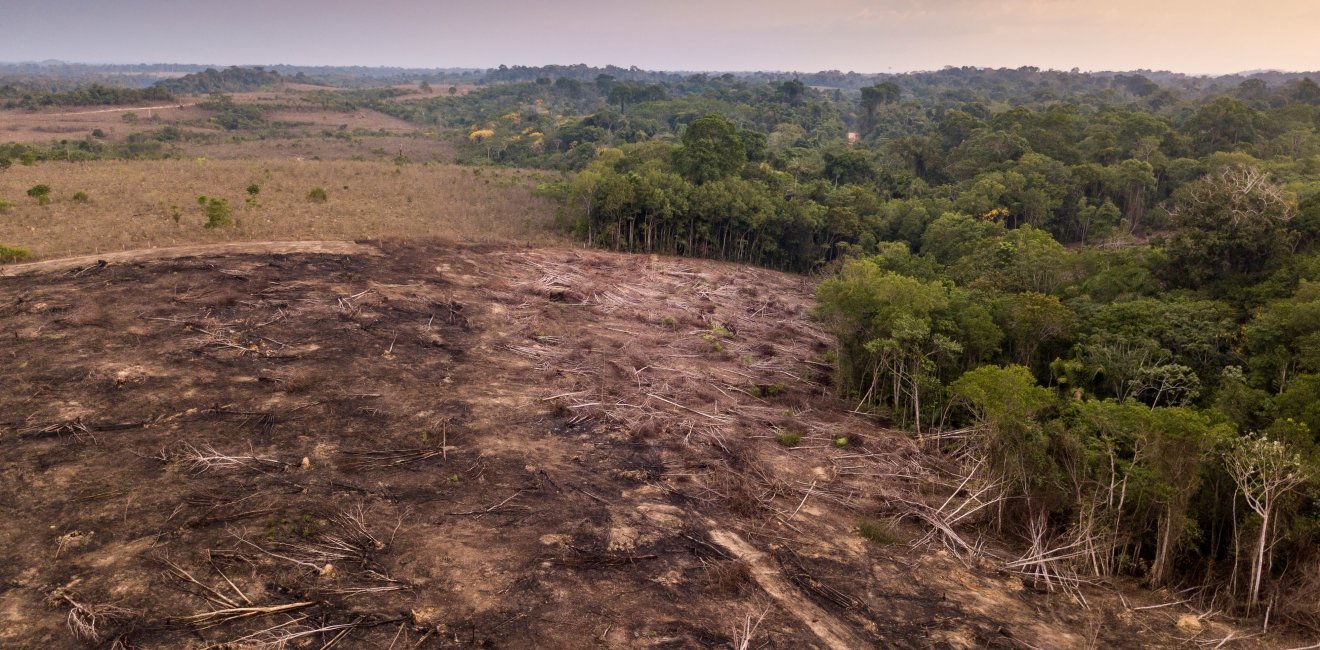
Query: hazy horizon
pixel 868 36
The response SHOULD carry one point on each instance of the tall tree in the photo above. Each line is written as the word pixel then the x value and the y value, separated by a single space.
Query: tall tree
pixel 712 149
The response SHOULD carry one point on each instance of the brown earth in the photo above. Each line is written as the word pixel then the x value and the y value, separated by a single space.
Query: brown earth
pixel 470 446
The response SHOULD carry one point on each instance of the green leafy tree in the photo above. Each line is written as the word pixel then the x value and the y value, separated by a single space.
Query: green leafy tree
pixel 890 340
pixel 712 150
pixel 874 97
pixel 1031 320
pixel 1011 445
pixel 1231 224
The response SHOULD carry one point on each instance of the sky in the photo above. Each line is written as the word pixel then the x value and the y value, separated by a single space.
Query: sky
pixel 1192 36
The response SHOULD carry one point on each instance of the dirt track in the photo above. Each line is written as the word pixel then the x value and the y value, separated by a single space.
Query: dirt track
pixel 459 446
pixel 165 107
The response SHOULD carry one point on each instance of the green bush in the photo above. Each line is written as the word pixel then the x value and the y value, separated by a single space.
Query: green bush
pixel 41 193
pixel 81 197
pixel 317 195
pixel 787 438
pixel 217 212
pixel 12 254
pixel 5 205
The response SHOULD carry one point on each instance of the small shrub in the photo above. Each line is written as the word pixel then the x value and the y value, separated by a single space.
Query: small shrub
pixel 304 526
pixel 81 197
pixel 218 214
pixel 41 193
pixel 12 254
pixel 730 577
pixel 98 133
pixel 718 329
pixel 5 205
pixel 880 531
pixel 841 441
pixel 130 118
pixel 253 189
pixel 787 438
pixel 317 195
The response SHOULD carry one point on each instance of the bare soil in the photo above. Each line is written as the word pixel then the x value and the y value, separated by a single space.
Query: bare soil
pixel 466 446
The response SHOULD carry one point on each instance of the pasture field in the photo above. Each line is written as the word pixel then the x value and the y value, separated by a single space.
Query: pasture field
pixel 146 204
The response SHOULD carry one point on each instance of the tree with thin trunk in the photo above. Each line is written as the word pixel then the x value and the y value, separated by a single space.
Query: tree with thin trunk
pixel 1265 471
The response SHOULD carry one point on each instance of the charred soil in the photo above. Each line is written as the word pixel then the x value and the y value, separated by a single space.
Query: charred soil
pixel 457 446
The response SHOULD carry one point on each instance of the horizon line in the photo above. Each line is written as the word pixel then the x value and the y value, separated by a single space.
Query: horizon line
pixel 1073 70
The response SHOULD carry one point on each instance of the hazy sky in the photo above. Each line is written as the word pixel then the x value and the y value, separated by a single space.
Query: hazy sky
pixel 1198 36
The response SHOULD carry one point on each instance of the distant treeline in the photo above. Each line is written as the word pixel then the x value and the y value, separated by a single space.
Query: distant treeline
pixel 58 75
pixel 93 95
pixel 229 80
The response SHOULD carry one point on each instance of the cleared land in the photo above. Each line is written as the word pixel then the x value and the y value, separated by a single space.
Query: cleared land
pixel 458 446
pixel 134 204
pixel 297 125
pixel 71 123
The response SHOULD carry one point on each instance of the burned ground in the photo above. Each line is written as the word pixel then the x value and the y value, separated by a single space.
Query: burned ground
pixel 455 446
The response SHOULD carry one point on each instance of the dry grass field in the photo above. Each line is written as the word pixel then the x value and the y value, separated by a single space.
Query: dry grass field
pixel 298 129
pixel 146 204
pixel 39 127
pixel 417 147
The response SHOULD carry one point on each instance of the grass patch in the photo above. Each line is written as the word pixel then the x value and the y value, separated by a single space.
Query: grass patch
pixel 880 531
pixel 787 438
pixel 13 254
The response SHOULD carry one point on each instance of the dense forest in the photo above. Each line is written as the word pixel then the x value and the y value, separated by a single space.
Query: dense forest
pixel 1102 292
